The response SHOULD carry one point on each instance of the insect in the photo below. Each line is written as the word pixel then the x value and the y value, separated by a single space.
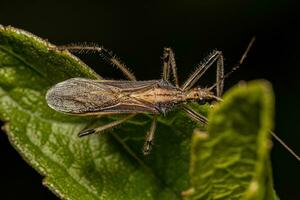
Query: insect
pixel 81 96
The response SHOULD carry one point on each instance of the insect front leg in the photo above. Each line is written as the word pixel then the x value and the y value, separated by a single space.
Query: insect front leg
pixel 169 63
pixel 104 54
pixel 203 67
pixel 150 137
pixel 104 127
pixel 194 115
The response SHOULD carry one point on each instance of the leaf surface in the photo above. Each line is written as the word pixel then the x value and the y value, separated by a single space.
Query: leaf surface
pixel 232 161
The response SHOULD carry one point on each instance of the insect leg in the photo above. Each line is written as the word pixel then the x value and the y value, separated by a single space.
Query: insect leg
pixel 201 69
pixel 194 115
pixel 149 137
pixel 220 76
pixel 104 54
pixel 104 127
pixel 169 62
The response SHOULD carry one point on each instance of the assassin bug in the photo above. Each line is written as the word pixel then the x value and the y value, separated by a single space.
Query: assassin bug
pixel 81 96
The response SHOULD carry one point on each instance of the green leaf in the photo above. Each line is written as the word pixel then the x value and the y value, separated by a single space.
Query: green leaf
pixel 232 161
pixel 110 166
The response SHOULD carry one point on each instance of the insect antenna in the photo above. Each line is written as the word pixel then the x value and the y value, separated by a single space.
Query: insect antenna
pixel 237 66
pixel 285 145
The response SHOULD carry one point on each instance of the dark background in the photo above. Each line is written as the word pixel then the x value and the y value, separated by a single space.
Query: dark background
pixel 137 31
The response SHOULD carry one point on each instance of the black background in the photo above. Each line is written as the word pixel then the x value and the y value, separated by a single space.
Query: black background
pixel 137 31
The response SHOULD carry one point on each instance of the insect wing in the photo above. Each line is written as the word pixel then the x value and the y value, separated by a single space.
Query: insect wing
pixel 90 97
pixel 80 96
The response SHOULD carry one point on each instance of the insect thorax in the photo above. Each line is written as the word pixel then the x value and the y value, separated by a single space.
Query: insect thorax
pixel 163 96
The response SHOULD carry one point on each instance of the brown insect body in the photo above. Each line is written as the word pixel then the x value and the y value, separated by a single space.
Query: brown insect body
pixel 81 96
pixel 89 97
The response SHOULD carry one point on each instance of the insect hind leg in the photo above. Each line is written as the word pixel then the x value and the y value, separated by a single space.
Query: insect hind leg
pixel 104 54
pixel 104 127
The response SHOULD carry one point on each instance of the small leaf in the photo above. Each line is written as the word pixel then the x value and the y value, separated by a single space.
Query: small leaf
pixel 232 160
pixel 110 166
